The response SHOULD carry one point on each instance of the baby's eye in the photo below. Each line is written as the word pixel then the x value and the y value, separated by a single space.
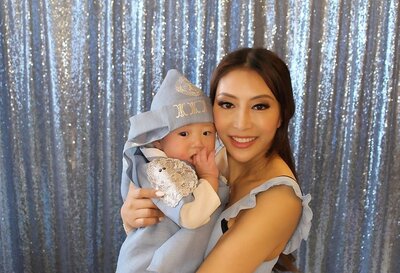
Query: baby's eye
pixel 225 104
pixel 261 106
pixel 208 133
pixel 183 133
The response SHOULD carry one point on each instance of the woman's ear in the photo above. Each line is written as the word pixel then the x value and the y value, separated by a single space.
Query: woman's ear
pixel 279 123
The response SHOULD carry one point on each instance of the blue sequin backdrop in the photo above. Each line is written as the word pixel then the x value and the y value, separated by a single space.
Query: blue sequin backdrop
pixel 72 72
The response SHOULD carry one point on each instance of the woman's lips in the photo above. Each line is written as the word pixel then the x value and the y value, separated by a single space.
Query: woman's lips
pixel 242 142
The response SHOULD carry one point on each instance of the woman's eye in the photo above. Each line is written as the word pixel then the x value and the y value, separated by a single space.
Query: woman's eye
pixel 260 106
pixel 225 104
pixel 183 133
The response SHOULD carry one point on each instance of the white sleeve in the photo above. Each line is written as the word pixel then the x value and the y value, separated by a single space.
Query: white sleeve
pixel 198 212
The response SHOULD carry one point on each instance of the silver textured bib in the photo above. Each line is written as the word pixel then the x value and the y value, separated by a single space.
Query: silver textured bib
pixel 173 177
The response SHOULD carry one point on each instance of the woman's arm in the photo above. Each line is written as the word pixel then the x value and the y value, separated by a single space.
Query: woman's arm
pixel 138 210
pixel 258 234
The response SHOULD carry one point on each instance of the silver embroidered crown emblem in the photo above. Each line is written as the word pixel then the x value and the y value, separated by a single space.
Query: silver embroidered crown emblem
pixel 173 177
pixel 185 87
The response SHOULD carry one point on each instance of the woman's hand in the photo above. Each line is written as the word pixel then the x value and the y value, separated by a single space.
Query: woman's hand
pixel 138 210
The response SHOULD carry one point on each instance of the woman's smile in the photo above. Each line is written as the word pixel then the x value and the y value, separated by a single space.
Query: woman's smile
pixel 242 142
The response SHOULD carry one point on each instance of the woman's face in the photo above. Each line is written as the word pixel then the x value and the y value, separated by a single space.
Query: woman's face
pixel 246 114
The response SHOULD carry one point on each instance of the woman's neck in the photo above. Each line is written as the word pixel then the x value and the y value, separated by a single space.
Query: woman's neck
pixel 249 170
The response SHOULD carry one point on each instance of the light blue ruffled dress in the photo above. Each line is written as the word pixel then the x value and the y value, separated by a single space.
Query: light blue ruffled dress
pixel 249 201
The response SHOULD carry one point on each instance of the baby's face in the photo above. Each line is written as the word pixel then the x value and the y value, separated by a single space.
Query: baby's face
pixel 185 142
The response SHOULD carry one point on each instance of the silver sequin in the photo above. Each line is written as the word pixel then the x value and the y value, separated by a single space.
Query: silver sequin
pixel 73 72
pixel 173 177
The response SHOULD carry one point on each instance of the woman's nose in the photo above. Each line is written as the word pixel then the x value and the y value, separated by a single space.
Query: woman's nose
pixel 242 120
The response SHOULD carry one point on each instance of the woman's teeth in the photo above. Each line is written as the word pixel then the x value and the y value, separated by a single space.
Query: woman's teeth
pixel 243 139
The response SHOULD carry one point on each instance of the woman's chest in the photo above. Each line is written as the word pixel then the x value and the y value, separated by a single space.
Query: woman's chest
pixel 239 191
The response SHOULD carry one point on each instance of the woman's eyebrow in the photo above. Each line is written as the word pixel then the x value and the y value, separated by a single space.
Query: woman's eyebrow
pixel 253 98
pixel 263 96
pixel 226 95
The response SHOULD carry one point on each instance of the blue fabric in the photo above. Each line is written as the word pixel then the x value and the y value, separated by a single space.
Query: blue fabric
pixel 73 72
pixel 165 247
pixel 177 103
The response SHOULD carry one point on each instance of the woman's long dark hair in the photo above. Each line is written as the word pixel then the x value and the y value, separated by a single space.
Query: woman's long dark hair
pixel 277 77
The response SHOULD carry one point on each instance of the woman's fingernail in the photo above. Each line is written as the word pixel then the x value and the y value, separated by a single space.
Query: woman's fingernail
pixel 159 193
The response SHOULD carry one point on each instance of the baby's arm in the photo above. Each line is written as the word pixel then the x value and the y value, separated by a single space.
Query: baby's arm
pixel 206 168
pixel 198 212
pixel 194 210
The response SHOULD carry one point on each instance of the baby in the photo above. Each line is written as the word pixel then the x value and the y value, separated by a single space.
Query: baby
pixel 171 148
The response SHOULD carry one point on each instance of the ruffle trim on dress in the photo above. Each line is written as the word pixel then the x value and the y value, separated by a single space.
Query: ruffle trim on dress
pixel 304 226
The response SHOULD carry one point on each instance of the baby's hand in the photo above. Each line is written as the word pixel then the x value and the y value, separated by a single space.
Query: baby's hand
pixel 206 167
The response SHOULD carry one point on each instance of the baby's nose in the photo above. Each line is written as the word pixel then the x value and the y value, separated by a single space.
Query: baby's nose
pixel 198 143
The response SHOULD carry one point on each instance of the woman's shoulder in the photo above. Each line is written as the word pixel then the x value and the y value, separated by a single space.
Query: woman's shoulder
pixel 278 193
pixel 279 190
pixel 288 198
pixel 284 186
pixel 279 196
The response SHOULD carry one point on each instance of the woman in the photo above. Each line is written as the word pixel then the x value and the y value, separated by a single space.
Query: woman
pixel 266 214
